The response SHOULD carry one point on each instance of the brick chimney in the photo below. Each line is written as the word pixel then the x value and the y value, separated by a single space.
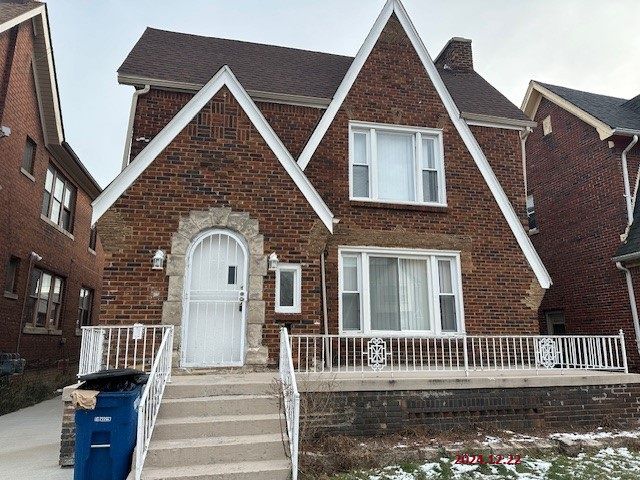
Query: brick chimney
pixel 456 55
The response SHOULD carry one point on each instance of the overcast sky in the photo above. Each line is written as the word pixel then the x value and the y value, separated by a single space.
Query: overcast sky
pixel 592 45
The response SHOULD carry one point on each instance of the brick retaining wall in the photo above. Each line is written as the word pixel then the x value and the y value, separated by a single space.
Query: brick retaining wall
pixel 368 413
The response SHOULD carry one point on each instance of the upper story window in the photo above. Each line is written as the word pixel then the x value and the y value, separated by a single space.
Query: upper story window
pixel 531 214
pixel 45 299
pixel 396 164
pixel 29 156
pixel 386 291
pixel 93 238
pixel 58 202
pixel 546 125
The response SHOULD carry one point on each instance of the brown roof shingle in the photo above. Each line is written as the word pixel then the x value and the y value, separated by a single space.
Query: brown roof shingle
pixel 10 9
pixel 193 59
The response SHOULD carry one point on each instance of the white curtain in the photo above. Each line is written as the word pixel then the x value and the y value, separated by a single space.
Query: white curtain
pixel 383 290
pixel 414 293
pixel 395 166
pixel 399 294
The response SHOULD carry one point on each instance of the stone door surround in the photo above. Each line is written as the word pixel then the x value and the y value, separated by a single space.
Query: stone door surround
pixel 189 228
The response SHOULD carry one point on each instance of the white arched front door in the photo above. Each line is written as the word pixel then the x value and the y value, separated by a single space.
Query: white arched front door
pixel 213 322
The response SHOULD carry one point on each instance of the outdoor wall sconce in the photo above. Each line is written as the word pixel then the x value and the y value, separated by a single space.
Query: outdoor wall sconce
pixel 273 262
pixel 158 260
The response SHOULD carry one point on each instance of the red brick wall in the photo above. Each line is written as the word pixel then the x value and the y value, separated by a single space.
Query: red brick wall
pixel 394 88
pixel 23 230
pixel 576 180
pixel 220 160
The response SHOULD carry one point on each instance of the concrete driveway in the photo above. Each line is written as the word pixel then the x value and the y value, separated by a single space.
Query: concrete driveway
pixel 31 442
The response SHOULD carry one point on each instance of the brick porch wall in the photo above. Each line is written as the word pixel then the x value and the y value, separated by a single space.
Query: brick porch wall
pixel 374 413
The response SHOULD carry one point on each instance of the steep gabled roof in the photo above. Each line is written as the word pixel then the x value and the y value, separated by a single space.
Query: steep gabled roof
pixel 608 115
pixel 292 75
pixel 13 13
pixel 224 77
pixel 396 7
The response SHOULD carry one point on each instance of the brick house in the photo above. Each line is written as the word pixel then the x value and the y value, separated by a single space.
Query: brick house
pixel 358 222
pixel 581 167
pixel 272 151
pixel 51 259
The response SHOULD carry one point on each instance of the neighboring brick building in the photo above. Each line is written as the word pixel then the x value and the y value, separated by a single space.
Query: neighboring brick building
pixel 416 221
pixel 576 186
pixel 46 244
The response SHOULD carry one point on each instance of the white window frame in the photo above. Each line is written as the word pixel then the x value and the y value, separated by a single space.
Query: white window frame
pixel 371 129
pixel 297 288
pixel 432 256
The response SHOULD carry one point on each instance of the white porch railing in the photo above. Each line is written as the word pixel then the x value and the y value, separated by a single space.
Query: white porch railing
pixel 147 348
pixel 463 353
pixel 291 399
pixel 114 346
pixel 151 397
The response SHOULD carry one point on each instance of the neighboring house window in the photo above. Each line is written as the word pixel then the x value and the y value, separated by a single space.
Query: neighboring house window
pixel 45 299
pixel 555 323
pixel 288 288
pixel 531 214
pixel 59 199
pixel 385 291
pixel 546 125
pixel 11 278
pixel 396 165
pixel 85 306
pixel 93 238
pixel 29 156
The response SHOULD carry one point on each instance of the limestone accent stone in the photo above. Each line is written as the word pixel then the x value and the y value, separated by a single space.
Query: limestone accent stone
pixel 175 265
pixel 256 312
pixel 255 287
pixel 176 287
pixel 189 227
pixel 256 245
pixel 258 265
pixel 257 356
pixel 172 312
pixel 254 335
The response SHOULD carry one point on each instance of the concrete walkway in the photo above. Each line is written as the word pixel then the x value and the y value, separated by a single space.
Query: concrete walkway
pixel 30 440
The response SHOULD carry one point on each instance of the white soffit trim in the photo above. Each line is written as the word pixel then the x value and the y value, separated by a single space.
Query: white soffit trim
pixel 224 77
pixel 534 94
pixel 395 6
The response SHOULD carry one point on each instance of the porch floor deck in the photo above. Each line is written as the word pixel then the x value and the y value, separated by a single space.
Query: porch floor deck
pixel 455 379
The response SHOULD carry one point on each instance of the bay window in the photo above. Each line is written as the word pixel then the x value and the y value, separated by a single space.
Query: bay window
pixel 396 164
pixel 390 291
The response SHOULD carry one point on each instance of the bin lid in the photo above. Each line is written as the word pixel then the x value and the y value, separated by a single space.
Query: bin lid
pixel 114 380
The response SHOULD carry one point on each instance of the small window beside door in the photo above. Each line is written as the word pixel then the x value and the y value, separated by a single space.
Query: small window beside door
pixel 288 288
pixel 11 278
pixel 531 215
pixel 555 323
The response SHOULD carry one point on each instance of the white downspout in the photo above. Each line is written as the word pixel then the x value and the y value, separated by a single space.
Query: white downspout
pixel 627 186
pixel 632 302
pixel 128 139
pixel 523 141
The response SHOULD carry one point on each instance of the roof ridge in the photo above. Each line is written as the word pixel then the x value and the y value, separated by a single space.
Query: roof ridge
pixel 581 91
pixel 251 43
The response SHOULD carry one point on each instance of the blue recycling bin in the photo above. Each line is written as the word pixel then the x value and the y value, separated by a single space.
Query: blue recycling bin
pixel 106 436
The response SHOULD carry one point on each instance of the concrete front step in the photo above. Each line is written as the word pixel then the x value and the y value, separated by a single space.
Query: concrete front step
pixel 184 386
pixel 266 470
pixel 218 405
pixel 211 450
pixel 219 426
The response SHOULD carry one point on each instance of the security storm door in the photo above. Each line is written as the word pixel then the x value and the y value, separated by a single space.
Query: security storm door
pixel 215 304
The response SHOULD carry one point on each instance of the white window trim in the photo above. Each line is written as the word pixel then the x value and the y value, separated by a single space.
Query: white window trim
pixel 297 288
pixel 434 313
pixel 372 156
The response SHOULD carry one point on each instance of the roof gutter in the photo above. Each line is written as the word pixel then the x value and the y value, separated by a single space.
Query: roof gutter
pixel 132 113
